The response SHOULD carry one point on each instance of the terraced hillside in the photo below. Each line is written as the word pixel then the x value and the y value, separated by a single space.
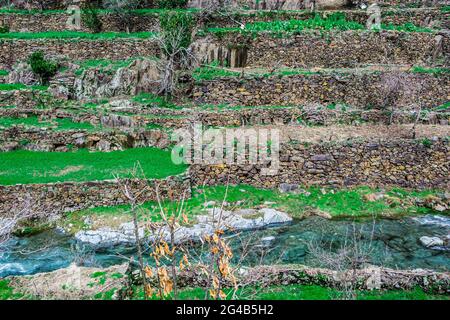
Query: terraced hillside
pixel 362 117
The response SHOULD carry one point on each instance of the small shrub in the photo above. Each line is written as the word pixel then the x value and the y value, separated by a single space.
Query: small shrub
pixel 41 67
pixel 90 19
pixel 172 4
pixel 4 28
pixel 426 142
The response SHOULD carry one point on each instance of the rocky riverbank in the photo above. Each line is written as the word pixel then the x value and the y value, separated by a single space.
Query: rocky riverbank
pixel 205 225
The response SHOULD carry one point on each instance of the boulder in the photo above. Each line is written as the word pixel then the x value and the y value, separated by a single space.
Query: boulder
pixel 206 225
pixel 272 216
pixel 22 73
pixel 287 187
pixel 431 241
pixel 107 237
pixel 120 105
pixel 9 146
pixel 117 121
pixel 141 75
pixel 103 145
pixel 59 91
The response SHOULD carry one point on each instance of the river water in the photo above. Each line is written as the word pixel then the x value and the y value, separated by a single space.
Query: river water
pixel 391 243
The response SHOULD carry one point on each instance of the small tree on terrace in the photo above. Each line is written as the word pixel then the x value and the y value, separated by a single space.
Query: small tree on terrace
pixel 175 39
pixel 42 67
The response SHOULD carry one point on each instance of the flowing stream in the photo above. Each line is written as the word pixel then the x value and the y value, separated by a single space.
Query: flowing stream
pixel 391 243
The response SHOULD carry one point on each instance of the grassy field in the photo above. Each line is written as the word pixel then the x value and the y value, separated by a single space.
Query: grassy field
pixel 19 86
pixel 419 69
pixel 214 71
pixel 7 292
pixel 289 292
pixel 301 292
pixel 33 121
pixel 44 167
pixel 336 21
pixel 337 203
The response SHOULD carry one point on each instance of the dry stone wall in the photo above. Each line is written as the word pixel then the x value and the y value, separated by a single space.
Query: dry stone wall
pixel 364 90
pixel 306 50
pixel 24 99
pixel 71 196
pixel 313 115
pixel 38 22
pixel 402 163
pixel 342 49
pixel 38 139
pixel 300 4
pixel 12 51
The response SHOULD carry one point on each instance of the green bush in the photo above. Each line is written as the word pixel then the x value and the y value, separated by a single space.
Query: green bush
pixel 4 28
pixel 90 19
pixel 176 31
pixel 172 4
pixel 41 67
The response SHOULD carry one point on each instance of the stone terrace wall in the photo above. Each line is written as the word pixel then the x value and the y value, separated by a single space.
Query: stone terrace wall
pixel 337 49
pixel 403 163
pixel 69 196
pixel 22 98
pixel 340 49
pixel 12 51
pixel 258 4
pixel 357 90
pixel 61 4
pixel 38 139
pixel 38 22
pixel 300 4
pixel 312 115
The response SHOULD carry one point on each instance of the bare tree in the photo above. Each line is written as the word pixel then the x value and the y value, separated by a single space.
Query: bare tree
pixel 10 223
pixel 171 251
pixel 175 38
pixel 132 198
pixel 351 255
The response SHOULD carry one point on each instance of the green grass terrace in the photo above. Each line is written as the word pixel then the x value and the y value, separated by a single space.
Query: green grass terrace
pixel 28 167
pixel 337 203
pixel 214 71
pixel 20 86
pixel 336 21
pixel 34 122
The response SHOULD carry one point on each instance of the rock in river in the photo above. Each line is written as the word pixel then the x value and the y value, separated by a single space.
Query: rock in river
pixel 431 241
pixel 244 219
